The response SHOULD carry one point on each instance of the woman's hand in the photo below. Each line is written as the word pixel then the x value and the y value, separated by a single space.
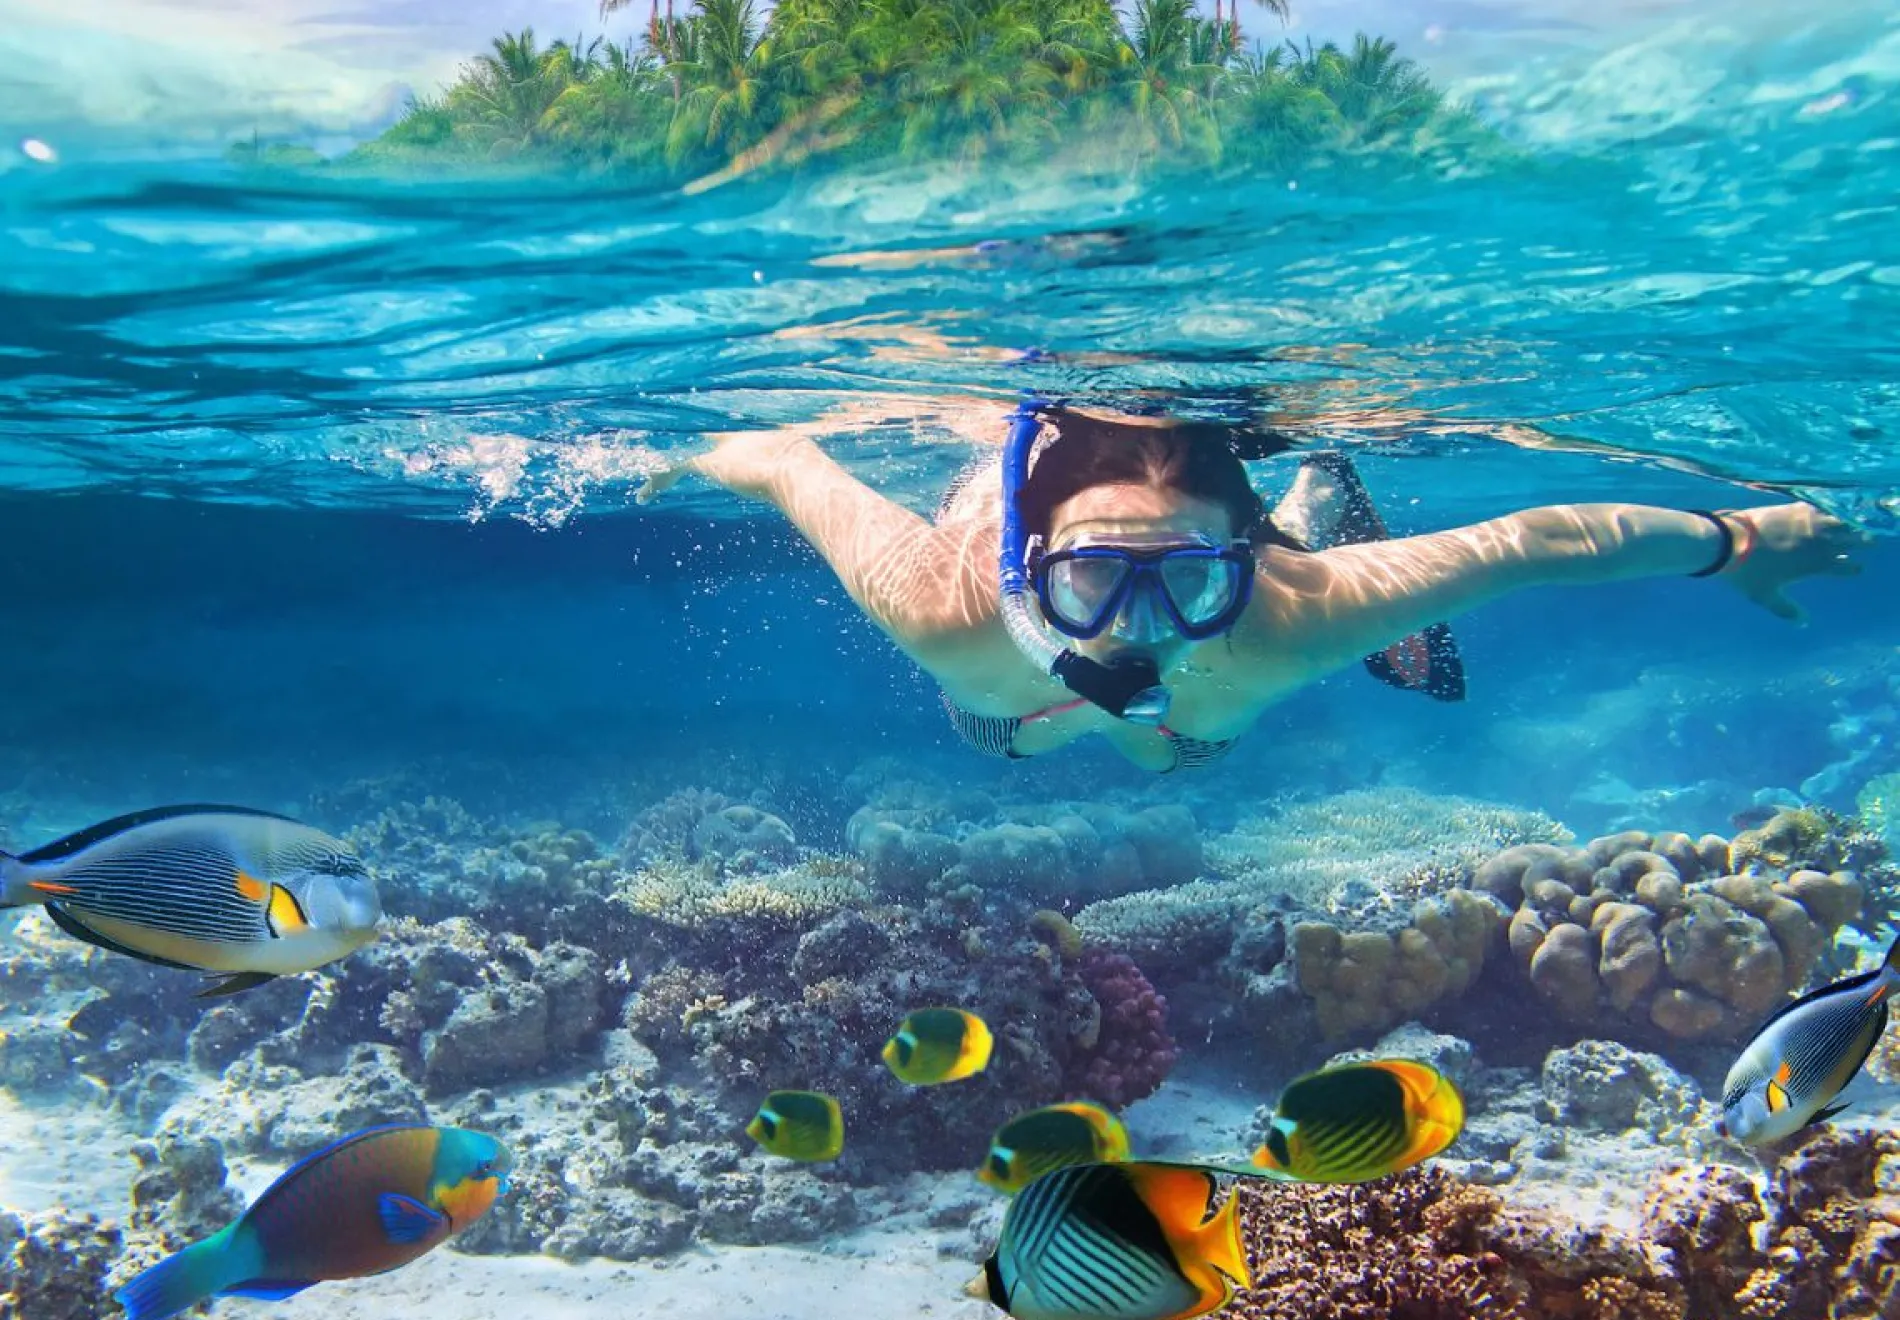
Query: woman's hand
pixel 744 462
pixel 1784 543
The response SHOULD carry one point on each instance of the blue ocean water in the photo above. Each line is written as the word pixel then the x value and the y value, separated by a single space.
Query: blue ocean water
pixel 318 495
pixel 304 475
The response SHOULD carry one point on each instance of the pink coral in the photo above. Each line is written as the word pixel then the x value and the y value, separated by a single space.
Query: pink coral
pixel 1133 1052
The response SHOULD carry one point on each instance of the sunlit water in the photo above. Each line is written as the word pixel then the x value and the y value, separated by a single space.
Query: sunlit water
pixel 399 426
pixel 317 492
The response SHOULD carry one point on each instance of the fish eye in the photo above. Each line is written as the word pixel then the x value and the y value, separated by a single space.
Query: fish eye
pixel 999 1166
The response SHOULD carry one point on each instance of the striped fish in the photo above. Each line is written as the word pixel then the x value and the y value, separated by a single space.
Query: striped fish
pixel 1361 1121
pixel 1806 1054
pixel 244 895
pixel 1130 1241
pixel 1046 1139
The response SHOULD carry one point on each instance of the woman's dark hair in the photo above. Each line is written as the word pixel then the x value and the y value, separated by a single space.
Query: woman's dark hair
pixel 1200 459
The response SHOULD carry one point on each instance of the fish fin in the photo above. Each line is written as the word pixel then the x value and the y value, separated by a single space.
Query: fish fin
pixel 407 1220
pixel 179 1282
pixel 1177 1194
pixel 79 930
pixel 52 887
pixel 233 983
pixel 1220 1244
pixel 1823 1115
pixel 61 849
pixel 1891 963
pixel 1426 661
pixel 268 1290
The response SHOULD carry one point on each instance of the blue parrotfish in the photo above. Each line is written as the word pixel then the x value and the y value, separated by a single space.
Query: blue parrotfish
pixel 243 895
pixel 371 1203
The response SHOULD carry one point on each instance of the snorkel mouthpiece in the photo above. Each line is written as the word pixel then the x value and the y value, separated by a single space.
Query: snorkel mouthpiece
pixel 1130 688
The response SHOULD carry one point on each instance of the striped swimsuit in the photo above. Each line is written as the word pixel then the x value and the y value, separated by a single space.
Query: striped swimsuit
pixel 995 735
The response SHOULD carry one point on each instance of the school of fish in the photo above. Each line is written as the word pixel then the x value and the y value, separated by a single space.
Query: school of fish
pixel 1091 1232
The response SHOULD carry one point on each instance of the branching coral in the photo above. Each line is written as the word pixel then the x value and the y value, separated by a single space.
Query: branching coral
pixel 695 897
pixel 1331 853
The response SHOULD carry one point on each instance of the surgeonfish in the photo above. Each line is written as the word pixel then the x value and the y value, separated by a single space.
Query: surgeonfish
pixel 1052 1137
pixel 799 1125
pixel 243 895
pixel 1806 1054
pixel 1129 1241
pixel 936 1045
pixel 1360 1121
pixel 370 1203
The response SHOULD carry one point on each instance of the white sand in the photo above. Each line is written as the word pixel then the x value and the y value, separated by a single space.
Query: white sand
pixel 897 1278
pixel 76 1158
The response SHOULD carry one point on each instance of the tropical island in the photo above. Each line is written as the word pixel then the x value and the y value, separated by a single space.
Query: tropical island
pixel 717 90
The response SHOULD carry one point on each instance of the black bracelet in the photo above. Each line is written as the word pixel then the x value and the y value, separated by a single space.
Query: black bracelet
pixel 1727 552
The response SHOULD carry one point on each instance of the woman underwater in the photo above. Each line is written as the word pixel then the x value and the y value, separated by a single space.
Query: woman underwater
pixel 1120 575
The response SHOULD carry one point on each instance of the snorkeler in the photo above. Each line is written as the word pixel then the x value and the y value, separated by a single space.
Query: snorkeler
pixel 1120 575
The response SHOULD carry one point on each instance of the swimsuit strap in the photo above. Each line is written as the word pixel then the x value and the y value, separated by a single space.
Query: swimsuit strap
pixel 995 735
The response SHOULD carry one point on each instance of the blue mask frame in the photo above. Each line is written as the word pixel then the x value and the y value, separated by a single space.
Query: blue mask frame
pixel 1143 572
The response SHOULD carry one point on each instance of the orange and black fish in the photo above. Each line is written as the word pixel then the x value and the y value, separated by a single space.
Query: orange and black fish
pixel 1360 1121
pixel 1128 1241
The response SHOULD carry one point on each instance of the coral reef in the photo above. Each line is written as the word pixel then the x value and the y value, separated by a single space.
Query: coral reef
pixel 1425 1246
pixel 55 1265
pixel 1604 1086
pixel 916 845
pixel 1363 980
pixel 1131 1052
pixel 1665 934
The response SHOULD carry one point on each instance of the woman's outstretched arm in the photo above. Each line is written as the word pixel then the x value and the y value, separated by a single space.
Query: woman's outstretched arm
pixel 924 585
pixel 1328 609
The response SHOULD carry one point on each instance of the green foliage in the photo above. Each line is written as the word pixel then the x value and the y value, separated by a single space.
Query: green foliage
pixel 721 89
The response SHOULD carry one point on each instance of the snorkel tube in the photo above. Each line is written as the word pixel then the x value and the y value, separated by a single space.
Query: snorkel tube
pixel 1127 689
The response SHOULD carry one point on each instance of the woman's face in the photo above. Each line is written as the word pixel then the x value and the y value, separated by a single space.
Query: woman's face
pixel 1143 516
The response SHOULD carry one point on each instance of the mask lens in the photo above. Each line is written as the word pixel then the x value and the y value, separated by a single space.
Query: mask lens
pixel 1202 588
pixel 1081 589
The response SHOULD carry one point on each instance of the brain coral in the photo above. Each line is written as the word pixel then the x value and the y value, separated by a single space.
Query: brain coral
pixel 1663 932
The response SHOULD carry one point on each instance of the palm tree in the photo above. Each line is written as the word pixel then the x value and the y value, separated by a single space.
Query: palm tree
pixel 729 75
pixel 977 73
pixel 1160 71
pixel 509 92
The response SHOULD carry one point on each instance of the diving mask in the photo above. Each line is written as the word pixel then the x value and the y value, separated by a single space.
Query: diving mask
pixel 1142 590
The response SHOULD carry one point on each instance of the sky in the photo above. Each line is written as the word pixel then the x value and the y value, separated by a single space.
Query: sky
pixel 213 70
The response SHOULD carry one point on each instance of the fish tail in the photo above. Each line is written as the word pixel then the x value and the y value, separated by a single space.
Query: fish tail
pixel 182 1280
pixel 15 891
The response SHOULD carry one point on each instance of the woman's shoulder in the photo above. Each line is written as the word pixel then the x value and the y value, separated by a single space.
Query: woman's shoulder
pixel 975 494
